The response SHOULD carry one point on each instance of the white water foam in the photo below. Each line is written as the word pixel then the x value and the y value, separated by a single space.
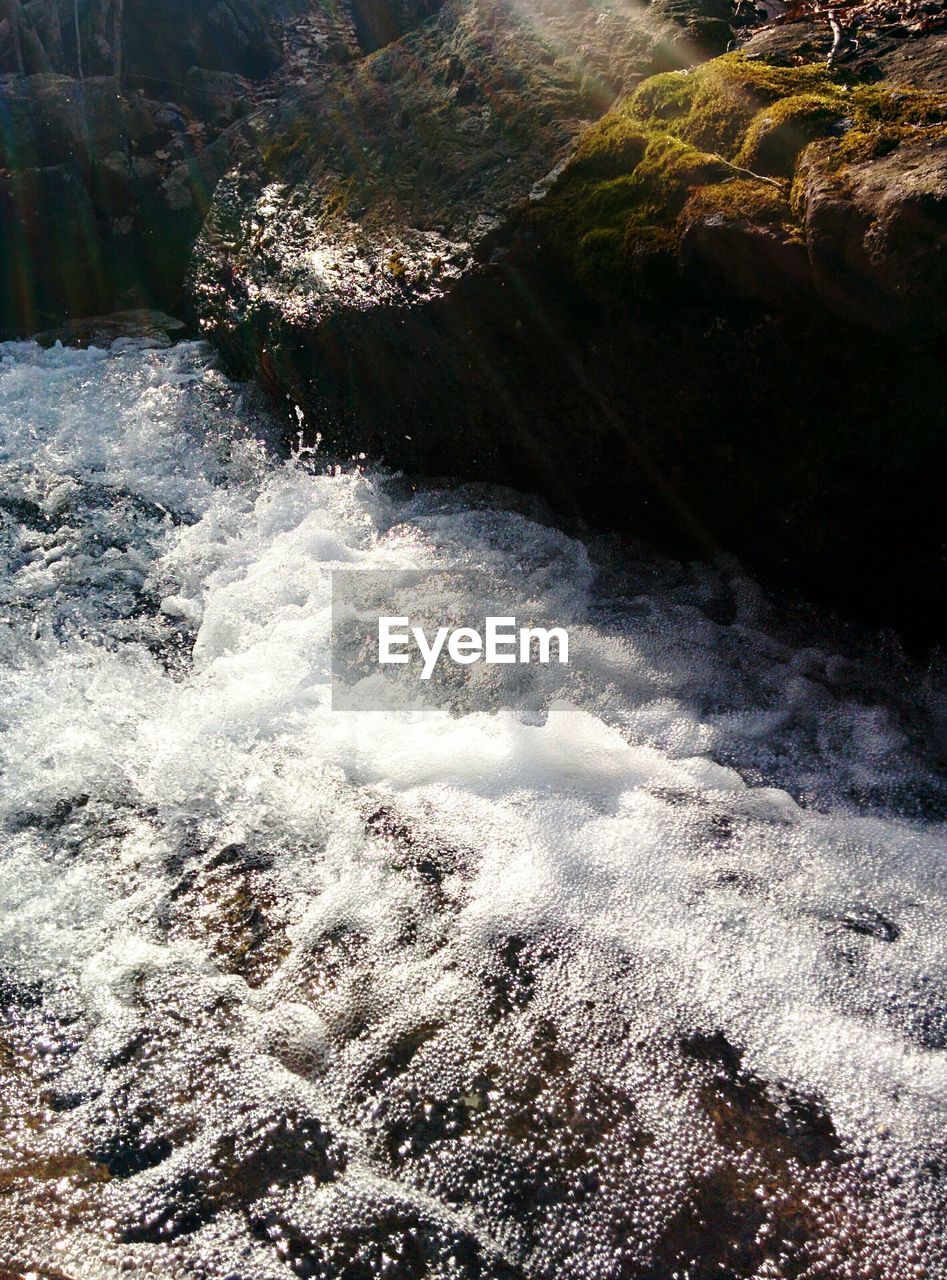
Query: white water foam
pixel 295 991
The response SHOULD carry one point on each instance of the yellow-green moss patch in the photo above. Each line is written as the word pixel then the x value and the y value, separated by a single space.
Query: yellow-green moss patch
pixel 723 139
pixel 779 132
pixel 742 199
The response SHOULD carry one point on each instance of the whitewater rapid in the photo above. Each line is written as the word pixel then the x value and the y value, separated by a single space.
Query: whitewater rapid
pixel 640 974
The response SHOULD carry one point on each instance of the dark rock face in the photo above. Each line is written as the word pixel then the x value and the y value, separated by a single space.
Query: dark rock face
pixel 237 36
pixel 220 35
pixel 47 217
pixel 104 179
pixel 811 449
pixel 102 195
pixel 876 235
pixel 749 261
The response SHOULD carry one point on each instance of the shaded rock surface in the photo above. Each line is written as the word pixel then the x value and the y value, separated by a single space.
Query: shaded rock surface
pixel 918 62
pixel 110 149
pixel 876 235
pixel 79 37
pixel 102 194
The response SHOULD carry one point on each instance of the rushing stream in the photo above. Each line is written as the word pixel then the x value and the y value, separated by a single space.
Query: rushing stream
pixel 644 977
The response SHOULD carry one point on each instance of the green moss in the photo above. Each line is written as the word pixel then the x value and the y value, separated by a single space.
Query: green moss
pixel 777 134
pixel 671 168
pixel 712 105
pixel 723 139
pixel 743 199
pixel 716 106
pixel 899 107
pixel 599 249
pixel 396 268
pixel 610 148
pixel 599 216
pixel 663 101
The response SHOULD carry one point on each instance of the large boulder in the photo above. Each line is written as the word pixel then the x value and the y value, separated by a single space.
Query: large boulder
pixel 385 188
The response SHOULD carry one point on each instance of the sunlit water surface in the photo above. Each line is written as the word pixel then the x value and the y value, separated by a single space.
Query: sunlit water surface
pixel 642 976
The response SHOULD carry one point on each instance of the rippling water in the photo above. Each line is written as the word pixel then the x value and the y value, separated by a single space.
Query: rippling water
pixel 642 976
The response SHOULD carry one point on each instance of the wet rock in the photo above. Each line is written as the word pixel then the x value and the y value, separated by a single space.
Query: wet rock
pixel 743 1111
pixel 239 920
pixel 17 994
pixel 871 923
pixel 416 312
pixel 278 1153
pixel 456 123
pixel 391 1238
pixel 102 331
pixel 128 1152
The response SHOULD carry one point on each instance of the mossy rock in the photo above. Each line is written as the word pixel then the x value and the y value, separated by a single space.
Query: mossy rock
pixel 713 106
pixel 671 168
pixel 615 207
pixel 779 132
pixel 610 149
pixel 722 104
pixel 722 141
pixel 742 199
